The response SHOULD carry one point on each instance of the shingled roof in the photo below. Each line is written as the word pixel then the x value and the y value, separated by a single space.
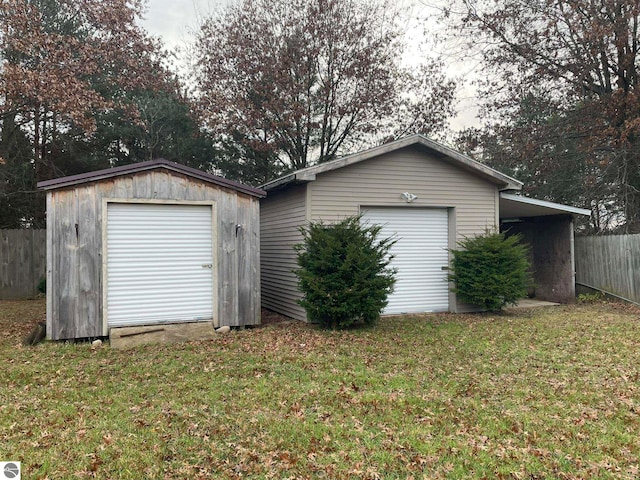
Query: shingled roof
pixel 436 149
pixel 161 163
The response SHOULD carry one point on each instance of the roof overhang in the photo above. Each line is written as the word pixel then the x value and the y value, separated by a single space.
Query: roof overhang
pixel 161 163
pixel 440 151
pixel 515 207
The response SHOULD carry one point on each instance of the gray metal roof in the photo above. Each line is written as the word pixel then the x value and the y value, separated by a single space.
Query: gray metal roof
pixel 441 151
pixel 98 175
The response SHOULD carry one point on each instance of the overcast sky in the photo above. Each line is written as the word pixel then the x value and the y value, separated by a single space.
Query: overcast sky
pixel 174 21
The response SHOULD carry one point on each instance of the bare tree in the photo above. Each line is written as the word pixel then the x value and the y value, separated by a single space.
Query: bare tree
pixel 580 60
pixel 297 82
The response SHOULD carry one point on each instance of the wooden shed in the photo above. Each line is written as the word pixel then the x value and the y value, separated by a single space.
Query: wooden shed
pixel 150 243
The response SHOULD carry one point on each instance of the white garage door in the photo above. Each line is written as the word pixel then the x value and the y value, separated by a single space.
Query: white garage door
pixel 420 253
pixel 159 263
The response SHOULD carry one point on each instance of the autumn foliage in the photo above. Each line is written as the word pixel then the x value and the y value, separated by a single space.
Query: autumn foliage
pixel 71 72
pixel 298 82
pixel 562 110
pixel 69 58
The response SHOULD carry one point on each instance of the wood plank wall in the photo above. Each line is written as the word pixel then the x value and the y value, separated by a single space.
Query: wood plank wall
pixel 23 258
pixel 610 263
pixel 75 217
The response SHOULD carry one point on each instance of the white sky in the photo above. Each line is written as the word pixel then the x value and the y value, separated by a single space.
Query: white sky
pixel 174 21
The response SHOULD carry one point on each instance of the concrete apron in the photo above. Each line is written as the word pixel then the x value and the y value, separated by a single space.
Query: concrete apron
pixel 128 337
pixel 533 302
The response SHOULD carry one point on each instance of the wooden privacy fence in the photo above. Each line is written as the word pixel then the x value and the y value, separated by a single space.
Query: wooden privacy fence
pixel 23 262
pixel 610 263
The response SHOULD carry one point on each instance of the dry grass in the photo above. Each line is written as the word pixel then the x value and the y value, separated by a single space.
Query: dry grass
pixel 539 393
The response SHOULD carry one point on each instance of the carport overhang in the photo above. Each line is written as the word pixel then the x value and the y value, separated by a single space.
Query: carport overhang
pixel 547 228
pixel 516 207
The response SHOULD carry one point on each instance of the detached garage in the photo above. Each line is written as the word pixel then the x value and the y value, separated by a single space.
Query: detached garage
pixel 152 243
pixel 427 195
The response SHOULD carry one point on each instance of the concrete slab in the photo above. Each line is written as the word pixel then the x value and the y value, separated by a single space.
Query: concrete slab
pixel 129 337
pixel 532 302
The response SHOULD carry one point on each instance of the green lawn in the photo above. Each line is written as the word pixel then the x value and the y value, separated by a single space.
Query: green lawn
pixel 539 393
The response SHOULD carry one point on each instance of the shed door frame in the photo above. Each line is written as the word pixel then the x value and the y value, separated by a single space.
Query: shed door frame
pixel 452 234
pixel 159 201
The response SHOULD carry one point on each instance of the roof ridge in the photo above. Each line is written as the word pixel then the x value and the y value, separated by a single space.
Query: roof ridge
pixel 464 161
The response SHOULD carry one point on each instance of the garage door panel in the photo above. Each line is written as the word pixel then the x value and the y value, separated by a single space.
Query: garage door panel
pixel 155 259
pixel 184 291
pixel 420 253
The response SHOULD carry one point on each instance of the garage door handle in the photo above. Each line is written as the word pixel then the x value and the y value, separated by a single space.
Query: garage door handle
pixel 444 268
pixel 207 265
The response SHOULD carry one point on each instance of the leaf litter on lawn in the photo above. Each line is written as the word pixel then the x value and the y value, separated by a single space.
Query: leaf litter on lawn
pixel 536 393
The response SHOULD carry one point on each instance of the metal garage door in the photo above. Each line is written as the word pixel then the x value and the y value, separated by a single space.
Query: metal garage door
pixel 159 263
pixel 420 253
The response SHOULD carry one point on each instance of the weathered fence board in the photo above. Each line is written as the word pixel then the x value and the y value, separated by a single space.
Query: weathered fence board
pixel 610 263
pixel 23 262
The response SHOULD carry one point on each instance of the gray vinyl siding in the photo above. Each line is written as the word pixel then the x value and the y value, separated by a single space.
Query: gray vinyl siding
pixel 380 181
pixel 472 203
pixel 281 215
pixel 75 287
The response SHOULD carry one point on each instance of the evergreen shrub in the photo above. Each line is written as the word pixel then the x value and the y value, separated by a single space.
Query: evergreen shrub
pixel 491 270
pixel 42 285
pixel 344 272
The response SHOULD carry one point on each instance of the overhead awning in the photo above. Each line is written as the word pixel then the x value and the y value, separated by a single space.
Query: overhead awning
pixel 516 206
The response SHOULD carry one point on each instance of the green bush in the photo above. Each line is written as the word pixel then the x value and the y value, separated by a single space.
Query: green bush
pixel 586 298
pixel 491 270
pixel 42 285
pixel 344 272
